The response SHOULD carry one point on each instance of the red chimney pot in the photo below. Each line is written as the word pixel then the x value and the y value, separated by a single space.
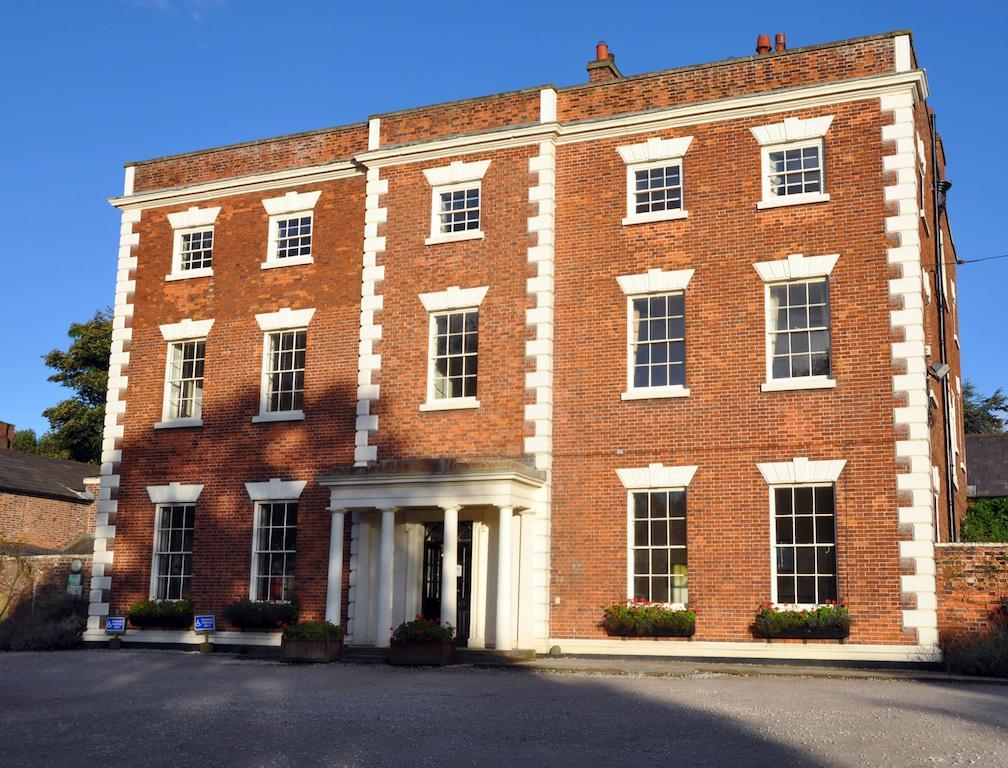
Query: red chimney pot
pixel 601 51
pixel 780 42
pixel 763 44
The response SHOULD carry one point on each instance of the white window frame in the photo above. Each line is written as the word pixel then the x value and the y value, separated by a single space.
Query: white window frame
pixel 799 472
pixel 172 494
pixel 290 206
pixel 452 178
pixel 654 477
pixel 795 268
pixel 791 133
pixel 190 222
pixel 651 283
pixel 285 319
pixel 155 553
pixel 449 301
pixel 177 333
pixel 653 153
pixel 273 491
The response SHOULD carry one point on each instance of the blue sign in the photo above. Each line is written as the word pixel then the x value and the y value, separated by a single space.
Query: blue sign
pixel 206 623
pixel 115 625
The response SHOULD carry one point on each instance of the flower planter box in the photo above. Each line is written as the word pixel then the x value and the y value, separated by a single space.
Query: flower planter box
pixel 807 633
pixel 313 649
pixel 653 638
pixel 422 654
pixel 161 625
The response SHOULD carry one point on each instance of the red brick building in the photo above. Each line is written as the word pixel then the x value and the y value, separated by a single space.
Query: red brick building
pixel 688 336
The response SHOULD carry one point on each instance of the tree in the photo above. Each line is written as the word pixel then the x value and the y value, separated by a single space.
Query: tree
pixel 980 414
pixel 26 441
pixel 77 423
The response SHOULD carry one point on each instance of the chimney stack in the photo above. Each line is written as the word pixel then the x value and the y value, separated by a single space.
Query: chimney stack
pixel 780 42
pixel 6 436
pixel 603 68
pixel 763 44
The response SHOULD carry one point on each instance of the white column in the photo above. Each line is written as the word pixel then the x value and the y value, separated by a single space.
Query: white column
pixel 449 567
pixel 334 590
pixel 502 634
pixel 386 548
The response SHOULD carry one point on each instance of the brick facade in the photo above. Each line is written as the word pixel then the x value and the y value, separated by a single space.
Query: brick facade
pixel 552 335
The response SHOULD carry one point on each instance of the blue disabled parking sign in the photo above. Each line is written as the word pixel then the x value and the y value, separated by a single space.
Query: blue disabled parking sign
pixel 115 625
pixel 205 623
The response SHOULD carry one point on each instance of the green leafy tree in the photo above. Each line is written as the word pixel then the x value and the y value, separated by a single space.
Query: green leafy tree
pixel 77 423
pixel 980 414
pixel 26 441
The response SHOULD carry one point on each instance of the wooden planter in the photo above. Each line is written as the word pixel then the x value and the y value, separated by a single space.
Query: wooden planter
pixel 313 649
pixel 422 654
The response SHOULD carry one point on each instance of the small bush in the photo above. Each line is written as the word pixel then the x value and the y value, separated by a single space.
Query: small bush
pixel 986 521
pixel 981 654
pixel 825 621
pixel 642 619
pixel 55 622
pixel 260 614
pixel 163 614
pixel 422 630
pixel 312 630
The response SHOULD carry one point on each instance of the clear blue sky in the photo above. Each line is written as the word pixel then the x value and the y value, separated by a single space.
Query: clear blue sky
pixel 91 85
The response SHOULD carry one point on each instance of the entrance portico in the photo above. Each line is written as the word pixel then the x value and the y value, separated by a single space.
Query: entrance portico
pixel 402 513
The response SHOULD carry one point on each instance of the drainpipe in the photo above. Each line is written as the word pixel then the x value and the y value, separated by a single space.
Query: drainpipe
pixel 938 190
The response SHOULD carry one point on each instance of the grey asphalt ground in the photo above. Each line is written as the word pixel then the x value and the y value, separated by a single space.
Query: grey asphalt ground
pixel 169 708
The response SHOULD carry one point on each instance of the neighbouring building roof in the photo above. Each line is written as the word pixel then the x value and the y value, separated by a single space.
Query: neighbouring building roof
pixel 30 475
pixel 987 465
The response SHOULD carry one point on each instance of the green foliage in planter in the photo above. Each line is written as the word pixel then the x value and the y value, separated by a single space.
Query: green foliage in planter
pixel 981 654
pixel 643 619
pixel 54 622
pixel 164 614
pixel 260 614
pixel 829 619
pixel 314 630
pixel 986 521
pixel 422 630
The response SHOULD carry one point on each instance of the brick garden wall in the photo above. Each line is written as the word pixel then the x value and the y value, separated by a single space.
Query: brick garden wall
pixel 44 523
pixel 972 580
pixel 48 574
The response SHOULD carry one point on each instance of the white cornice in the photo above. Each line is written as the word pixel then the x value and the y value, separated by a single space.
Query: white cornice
pixel 587 130
pixel 655 149
pixel 292 202
pixel 792 129
pixel 174 493
pixel 240 185
pixel 456 173
pixel 656 476
pixel 655 281
pixel 285 318
pixel 453 146
pixel 194 217
pixel 453 298
pixel 276 490
pixel 741 107
pixel 186 329
pixel 796 267
pixel 801 470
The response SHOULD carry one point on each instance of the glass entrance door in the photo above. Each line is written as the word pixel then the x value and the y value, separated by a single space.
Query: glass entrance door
pixel 430 590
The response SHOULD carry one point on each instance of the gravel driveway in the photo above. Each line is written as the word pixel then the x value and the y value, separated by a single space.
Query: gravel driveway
pixel 154 708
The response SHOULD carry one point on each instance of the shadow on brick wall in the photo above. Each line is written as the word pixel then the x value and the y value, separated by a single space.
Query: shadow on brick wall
pixel 228 451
